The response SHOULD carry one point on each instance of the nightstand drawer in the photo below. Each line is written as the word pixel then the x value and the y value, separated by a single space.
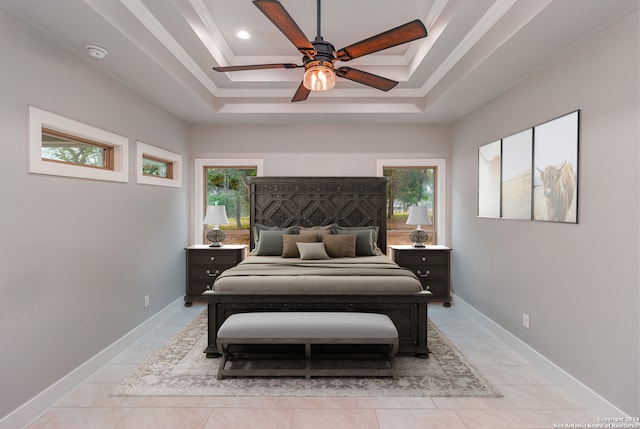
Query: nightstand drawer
pixel 422 257
pixel 430 272
pixel 207 258
pixel 438 289
pixel 211 271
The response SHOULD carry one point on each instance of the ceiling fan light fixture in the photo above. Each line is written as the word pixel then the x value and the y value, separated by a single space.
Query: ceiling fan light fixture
pixel 319 76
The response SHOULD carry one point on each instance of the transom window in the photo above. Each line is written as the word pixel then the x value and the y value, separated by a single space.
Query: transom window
pixel 61 146
pixel 155 167
pixel 58 146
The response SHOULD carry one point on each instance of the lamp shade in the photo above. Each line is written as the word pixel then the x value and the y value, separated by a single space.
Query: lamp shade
pixel 419 215
pixel 216 215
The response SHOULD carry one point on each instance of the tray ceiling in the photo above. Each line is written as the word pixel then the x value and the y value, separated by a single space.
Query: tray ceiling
pixel 164 50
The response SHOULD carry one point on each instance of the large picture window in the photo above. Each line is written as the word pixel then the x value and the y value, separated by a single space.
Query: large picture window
pixel 225 183
pixel 414 183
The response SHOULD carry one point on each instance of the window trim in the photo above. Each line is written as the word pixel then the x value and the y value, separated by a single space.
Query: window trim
pixel 441 186
pixel 199 191
pixel 162 155
pixel 39 119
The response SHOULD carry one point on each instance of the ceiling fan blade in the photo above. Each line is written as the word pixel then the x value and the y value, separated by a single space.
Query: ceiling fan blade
pixel 301 94
pixel 396 36
pixel 285 23
pixel 256 67
pixel 372 80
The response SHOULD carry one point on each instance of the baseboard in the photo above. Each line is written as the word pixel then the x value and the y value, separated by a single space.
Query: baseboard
pixel 32 409
pixel 582 393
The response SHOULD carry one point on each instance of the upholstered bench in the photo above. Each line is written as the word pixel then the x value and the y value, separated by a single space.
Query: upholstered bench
pixel 308 329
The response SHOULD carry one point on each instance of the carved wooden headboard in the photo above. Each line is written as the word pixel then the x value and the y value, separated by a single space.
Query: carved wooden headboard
pixel 311 201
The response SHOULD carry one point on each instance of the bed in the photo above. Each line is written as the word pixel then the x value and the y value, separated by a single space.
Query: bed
pixel 293 221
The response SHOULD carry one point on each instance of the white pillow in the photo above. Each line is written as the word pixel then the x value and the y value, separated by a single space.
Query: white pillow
pixel 312 250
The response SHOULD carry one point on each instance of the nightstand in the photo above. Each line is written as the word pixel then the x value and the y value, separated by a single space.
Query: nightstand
pixel 205 264
pixel 432 266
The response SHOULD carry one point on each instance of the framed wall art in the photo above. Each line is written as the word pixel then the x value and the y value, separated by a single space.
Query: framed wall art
pixel 489 167
pixel 555 156
pixel 517 153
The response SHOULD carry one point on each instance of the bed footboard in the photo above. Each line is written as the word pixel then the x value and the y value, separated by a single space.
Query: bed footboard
pixel 408 313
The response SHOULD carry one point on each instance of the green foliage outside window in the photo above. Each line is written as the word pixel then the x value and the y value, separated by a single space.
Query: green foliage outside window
pixel 80 154
pixel 229 187
pixel 408 186
pixel 151 167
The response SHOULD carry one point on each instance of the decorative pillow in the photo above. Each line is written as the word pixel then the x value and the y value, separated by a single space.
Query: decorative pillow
pixel 312 250
pixel 289 248
pixel 320 230
pixel 270 244
pixel 259 229
pixel 340 246
pixel 366 238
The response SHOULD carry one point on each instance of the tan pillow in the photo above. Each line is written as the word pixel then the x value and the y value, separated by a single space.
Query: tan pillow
pixel 289 248
pixel 340 246
pixel 324 229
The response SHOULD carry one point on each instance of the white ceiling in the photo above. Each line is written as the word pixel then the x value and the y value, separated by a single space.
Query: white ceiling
pixel 164 50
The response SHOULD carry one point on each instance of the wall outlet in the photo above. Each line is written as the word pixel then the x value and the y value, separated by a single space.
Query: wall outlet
pixel 525 320
pixel 146 301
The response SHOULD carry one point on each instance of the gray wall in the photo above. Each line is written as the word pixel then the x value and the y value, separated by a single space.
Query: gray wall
pixel 579 283
pixel 78 255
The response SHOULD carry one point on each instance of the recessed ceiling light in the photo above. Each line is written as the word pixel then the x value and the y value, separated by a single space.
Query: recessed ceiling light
pixel 242 34
pixel 96 51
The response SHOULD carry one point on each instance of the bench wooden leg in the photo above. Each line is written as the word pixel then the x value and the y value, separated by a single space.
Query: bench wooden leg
pixel 307 365
pixel 223 361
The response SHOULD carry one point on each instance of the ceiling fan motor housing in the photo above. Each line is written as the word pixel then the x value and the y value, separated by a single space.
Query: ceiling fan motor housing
pixel 324 51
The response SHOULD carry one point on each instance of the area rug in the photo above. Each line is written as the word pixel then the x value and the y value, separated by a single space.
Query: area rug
pixel 181 368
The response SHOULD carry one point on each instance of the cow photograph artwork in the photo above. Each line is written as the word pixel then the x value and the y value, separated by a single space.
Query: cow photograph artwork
pixel 555 181
pixel 517 152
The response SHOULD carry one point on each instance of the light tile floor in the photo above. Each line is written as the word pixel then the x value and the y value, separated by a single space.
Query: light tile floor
pixel 529 400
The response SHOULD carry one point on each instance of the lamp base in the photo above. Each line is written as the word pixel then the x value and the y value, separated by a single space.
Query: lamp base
pixel 216 237
pixel 418 236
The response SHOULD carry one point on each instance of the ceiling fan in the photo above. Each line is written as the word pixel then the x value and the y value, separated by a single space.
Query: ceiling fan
pixel 319 56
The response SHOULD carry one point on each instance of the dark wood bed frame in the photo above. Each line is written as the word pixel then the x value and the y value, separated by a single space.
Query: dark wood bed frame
pixel 311 201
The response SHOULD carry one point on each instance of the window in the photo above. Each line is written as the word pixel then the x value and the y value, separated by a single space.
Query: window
pixel 225 182
pixel 158 166
pixel 63 147
pixel 414 182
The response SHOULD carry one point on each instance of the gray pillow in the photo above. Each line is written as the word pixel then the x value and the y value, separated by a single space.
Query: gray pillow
pixel 366 238
pixel 312 250
pixel 259 229
pixel 270 244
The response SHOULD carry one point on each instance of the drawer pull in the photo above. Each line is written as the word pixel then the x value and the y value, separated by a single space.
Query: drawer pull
pixel 426 273
pixel 214 274
pixel 213 258
pixel 424 259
